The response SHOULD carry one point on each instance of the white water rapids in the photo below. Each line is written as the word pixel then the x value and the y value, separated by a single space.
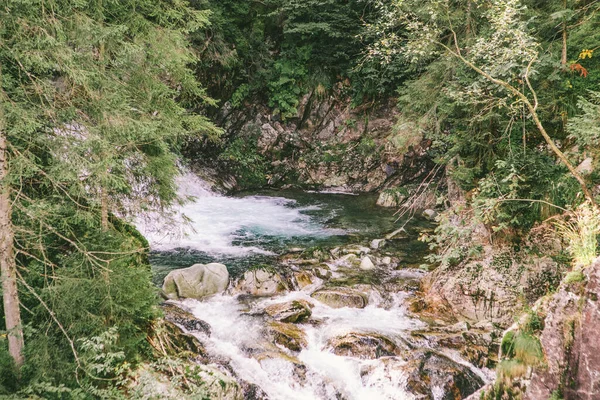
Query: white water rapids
pixel 217 224
pixel 236 334
pixel 212 223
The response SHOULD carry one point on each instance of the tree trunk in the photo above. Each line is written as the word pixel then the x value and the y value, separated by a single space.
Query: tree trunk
pixel 12 312
pixel 104 209
pixel 563 59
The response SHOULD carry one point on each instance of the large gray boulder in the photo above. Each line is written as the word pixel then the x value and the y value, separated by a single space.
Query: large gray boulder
pixel 197 281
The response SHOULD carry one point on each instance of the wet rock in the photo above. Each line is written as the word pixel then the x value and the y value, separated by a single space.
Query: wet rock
pixel 175 341
pixel 341 297
pixel 288 335
pixel 366 263
pixel 260 282
pixel 365 346
pixel 183 318
pixel 304 279
pixel 323 272
pixel 197 281
pixel 252 391
pixel 434 376
pixel 292 311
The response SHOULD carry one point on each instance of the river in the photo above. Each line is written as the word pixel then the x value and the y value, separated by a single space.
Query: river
pixel 252 229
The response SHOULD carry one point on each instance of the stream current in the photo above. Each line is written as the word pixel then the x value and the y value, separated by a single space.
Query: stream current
pixel 255 228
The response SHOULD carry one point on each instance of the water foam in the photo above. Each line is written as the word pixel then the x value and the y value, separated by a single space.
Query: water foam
pixel 213 223
pixel 237 334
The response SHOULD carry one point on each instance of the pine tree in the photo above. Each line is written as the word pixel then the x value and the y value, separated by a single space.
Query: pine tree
pixel 96 97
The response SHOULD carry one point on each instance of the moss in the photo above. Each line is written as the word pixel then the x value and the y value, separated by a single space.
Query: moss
pixel 574 277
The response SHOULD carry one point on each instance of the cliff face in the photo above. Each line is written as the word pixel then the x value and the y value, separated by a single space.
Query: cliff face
pixel 331 144
pixel 571 342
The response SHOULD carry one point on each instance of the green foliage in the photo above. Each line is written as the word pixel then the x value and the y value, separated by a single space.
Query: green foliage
pixel 96 99
pixel 248 166
pixel 452 238
pixel 285 87
pixel 574 277
pixel 580 229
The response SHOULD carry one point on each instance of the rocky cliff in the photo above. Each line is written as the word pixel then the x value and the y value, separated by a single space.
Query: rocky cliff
pixel 328 144
pixel 570 342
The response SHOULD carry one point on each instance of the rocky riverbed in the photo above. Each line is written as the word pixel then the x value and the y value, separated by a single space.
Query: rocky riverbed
pixel 334 313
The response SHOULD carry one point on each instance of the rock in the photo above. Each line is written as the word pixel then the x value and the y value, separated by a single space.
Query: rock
pixel 288 335
pixel 356 250
pixel 386 260
pixel 365 346
pixel 292 311
pixel 391 198
pixel 178 342
pixel 341 297
pixel 570 343
pixel 304 279
pixel 366 264
pixel 586 167
pixel 187 320
pixel 350 260
pixel 197 281
pixel 491 288
pixel 323 272
pixel 260 282
pixel 268 137
pixel 434 376
pixel 429 214
pixel 377 243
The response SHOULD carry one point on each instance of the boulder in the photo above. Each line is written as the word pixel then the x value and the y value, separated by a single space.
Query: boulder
pixel 429 214
pixel 491 288
pixel 391 198
pixel 268 137
pixel 260 282
pixel 196 282
pixel 377 243
pixel 365 346
pixel 288 335
pixel 304 279
pixel 341 297
pixel 185 319
pixel 291 311
pixel 366 263
pixel 431 375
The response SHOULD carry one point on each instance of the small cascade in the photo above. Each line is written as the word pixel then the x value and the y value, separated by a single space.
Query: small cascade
pixel 230 226
pixel 238 334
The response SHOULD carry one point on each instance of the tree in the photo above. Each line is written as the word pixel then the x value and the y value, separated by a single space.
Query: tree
pixel 96 98
pixel 503 55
